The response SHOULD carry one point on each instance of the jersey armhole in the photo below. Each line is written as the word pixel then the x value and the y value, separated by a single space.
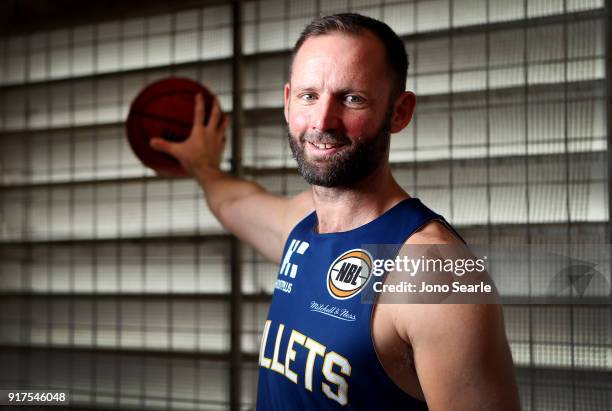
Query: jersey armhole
pixel 445 223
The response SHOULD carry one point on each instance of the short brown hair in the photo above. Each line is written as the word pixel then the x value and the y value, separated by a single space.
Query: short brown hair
pixel 353 23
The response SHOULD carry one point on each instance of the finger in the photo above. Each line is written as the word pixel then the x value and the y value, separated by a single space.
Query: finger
pixel 215 114
pixel 161 145
pixel 198 111
pixel 224 123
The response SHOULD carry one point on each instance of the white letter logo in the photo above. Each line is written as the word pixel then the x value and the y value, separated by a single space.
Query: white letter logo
pixel 296 246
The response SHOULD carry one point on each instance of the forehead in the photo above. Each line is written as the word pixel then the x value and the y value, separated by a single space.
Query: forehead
pixel 348 59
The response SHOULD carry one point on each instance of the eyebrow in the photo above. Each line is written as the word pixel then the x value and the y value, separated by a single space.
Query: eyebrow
pixel 339 92
pixel 350 91
pixel 302 88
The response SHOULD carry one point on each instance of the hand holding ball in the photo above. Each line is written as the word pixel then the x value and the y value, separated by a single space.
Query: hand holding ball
pixel 176 127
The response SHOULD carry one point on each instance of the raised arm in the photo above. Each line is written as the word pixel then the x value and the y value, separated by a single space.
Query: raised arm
pixel 260 218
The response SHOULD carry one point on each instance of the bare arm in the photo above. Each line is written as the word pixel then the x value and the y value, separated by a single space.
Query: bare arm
pixel 461 354
pixel 243 207
pixel 462 358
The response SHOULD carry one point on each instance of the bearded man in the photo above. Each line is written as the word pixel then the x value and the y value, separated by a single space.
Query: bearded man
pixel 322 347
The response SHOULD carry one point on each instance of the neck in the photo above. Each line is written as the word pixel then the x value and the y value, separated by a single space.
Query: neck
pixel 345 208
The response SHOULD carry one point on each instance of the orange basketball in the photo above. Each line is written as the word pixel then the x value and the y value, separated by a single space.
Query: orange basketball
pixel 164 109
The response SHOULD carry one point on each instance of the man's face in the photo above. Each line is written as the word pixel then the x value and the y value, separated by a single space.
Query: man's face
pixel 338 108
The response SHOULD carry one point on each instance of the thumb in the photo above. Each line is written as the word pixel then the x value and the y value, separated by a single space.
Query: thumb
pixel 164 146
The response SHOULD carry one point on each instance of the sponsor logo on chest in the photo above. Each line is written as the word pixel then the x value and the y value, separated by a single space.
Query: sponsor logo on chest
pixel 288 268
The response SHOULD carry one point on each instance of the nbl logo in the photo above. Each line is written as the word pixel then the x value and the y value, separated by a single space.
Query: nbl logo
pixel 349 273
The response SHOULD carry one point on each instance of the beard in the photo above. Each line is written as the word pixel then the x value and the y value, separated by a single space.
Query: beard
pixel 358 158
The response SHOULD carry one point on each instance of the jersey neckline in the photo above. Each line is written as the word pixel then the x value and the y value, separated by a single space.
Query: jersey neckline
pixel 386 214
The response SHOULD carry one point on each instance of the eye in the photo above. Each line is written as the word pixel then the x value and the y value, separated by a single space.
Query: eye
pixel 353 99
pixel 307 97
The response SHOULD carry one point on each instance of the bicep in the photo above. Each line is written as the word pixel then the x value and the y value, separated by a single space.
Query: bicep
pixel 462 358
pixel 261 220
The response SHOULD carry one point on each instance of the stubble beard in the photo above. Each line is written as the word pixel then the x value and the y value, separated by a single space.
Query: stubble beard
pixel 357 160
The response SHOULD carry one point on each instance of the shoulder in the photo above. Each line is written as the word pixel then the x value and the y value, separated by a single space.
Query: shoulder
pixel 434 232
pixel 298 207
pixel 415 319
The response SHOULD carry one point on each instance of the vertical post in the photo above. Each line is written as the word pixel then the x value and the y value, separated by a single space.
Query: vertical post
pixel 451 110
pixel 530 313
pixel 608 82
pixel 237 62
pixel 608 54
pixel 235 247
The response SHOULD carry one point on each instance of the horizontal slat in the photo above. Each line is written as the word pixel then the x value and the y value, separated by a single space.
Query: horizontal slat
pixel 200 355
pixel 152 296
pixel 266 297
pixel 251 116
pixel 193 238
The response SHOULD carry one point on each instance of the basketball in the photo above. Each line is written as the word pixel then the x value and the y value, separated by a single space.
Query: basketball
pixel 164 109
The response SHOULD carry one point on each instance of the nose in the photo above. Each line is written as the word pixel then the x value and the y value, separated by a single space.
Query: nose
pixel 325 116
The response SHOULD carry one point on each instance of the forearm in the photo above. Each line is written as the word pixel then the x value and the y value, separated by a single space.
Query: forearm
pixel 246 209
pixel 221 189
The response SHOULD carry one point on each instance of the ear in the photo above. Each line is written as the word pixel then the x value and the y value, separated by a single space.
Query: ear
pixel 403 111
pixel 287 95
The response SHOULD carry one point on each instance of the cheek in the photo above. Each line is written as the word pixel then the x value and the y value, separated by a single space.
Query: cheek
pixel 298 122
pixel 359 125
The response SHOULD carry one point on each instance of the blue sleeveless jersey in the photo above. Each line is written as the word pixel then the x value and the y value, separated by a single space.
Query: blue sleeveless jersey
pixel 317 351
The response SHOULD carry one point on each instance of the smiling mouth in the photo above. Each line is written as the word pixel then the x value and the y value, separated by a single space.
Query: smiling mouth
pixel 325 146
pixel 323 151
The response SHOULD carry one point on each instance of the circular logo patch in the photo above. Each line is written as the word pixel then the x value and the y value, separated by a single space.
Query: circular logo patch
pixel 349 273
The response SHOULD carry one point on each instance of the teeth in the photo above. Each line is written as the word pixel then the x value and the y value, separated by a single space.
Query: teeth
pixel 323 146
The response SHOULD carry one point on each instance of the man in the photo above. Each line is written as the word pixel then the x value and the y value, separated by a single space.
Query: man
pixel 322 347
